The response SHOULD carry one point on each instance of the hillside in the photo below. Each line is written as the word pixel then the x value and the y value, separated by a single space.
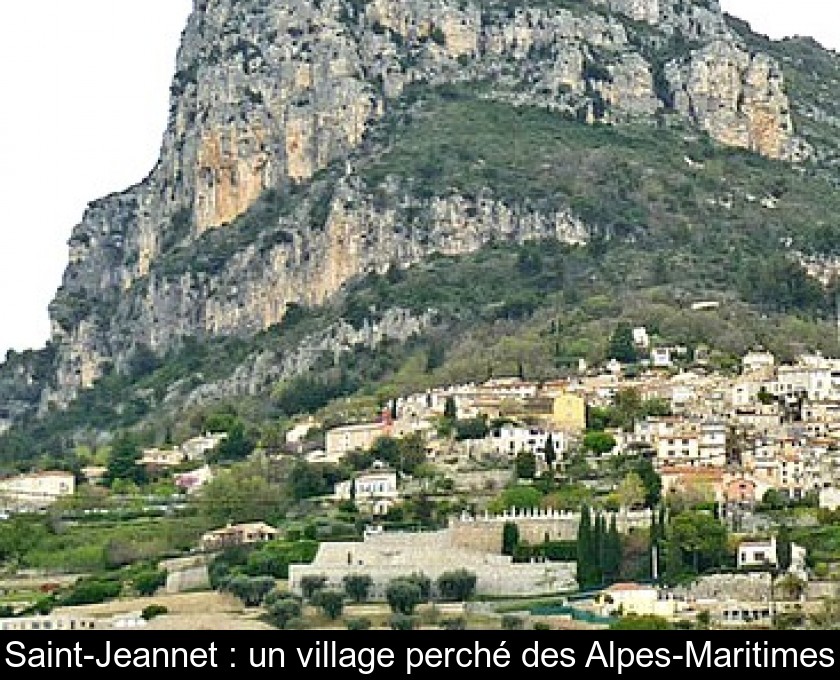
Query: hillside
pixel 379 196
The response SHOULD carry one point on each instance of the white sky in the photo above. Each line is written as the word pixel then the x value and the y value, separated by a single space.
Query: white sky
pixel 85 88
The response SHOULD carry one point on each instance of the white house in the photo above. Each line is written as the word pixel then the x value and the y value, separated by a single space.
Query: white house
pixel 830 498
pixel 376 490
pixel 194 480
pixel 510 440
pixel 163 457
pixel 641 337
pixel 296 435
pixel 757 361
pixel 798 565
pixel 195 448
pixel 752 554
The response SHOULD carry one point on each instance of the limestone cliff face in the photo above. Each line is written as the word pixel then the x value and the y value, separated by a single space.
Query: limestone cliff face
pixel 267 95
pixel 737 98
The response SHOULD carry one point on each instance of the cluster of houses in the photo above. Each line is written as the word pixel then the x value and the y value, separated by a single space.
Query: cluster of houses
pixel 727 440
pixel 37 491
pixel 773 427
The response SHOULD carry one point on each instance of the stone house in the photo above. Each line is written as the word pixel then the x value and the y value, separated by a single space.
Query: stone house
pixel 36 491
pixel 239 534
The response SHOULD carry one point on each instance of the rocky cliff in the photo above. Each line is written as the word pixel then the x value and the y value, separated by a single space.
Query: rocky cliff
pixel 256 203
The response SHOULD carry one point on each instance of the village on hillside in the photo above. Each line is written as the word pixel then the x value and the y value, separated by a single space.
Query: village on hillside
pixel 656 492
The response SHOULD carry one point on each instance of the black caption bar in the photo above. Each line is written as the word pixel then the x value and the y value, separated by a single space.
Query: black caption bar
pixel 420 654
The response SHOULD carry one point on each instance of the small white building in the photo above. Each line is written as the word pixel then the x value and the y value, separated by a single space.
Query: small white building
pixel 510 440
pixel 660 357
pixel 163 458
pixel 375 490
pixel 641 338
pixel 296 435
pixel 194 480
pixel 197 447
pixel 830 498
pixel 752 554
pixel 757 361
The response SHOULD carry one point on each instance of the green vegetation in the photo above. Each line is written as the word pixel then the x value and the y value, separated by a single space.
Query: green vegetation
pixel 641 622
pixel 39 543
pixel 358 623
pixel 282 609
pixel 153 610
pixel 357 586
pixel 91 591
pixel 693 542
pixel 331 602
pixel 250 590
pixel 458 585
pixel 403 595
pixel 598 551
pixel 271 559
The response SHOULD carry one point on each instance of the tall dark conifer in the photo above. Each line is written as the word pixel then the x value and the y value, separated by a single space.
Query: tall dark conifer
pixel 612 553
pixel 601 543
pixel 584 549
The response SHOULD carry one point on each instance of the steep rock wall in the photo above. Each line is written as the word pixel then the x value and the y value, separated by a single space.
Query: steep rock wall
pixel 268 95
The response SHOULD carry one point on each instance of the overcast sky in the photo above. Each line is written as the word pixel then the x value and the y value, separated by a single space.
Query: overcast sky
pixel 85 97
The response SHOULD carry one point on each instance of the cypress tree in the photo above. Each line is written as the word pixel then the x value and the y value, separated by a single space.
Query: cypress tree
pixel 601 543
pixel 654 542
pixel 550 453
pixel 662 551
pixel 584 549
pixel 510 538
pixel 612 553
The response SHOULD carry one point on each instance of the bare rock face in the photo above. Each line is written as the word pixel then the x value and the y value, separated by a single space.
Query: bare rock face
pixel 692 19
pixel 267 95
pixel 738 99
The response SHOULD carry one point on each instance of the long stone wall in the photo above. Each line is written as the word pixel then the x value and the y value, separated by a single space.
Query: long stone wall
pixel 536 525
pixel 387 556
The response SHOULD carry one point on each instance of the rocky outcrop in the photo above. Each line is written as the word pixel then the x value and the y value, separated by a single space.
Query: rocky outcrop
pixel 308 263
pixel 268 368
pixel 738 99
pixel 695 20
pixel 271 95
